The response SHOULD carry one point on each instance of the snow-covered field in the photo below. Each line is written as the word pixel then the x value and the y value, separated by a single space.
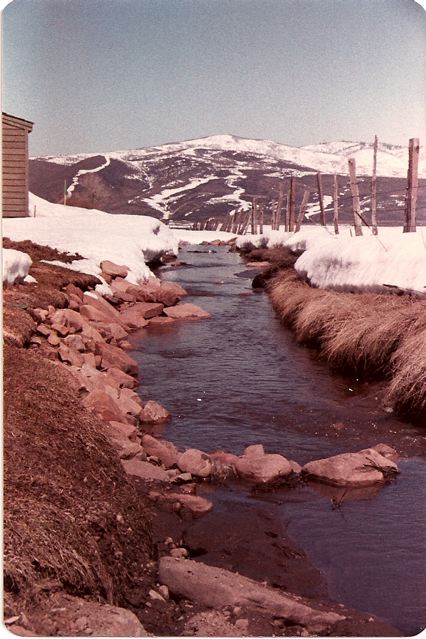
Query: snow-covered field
pixel 342 262
pixel 349 263
pixel 96 236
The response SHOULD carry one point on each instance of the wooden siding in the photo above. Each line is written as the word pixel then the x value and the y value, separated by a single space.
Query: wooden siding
pixel 15 166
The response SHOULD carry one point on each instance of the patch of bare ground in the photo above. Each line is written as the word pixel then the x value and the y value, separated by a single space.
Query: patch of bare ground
pixel 382 336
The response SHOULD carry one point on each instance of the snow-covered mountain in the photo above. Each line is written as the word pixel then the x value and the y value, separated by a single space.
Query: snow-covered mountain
pixel 213 176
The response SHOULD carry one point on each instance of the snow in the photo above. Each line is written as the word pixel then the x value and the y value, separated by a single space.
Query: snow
pixel 327 157
pixel 81 172
pixel 16 265
pixel 349 263
pixel 132 240
pixel 159 201
pixel 197 237
pixel 367 263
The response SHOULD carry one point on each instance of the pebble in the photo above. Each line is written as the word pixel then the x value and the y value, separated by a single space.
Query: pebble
pixel 164 592
pixel 179 552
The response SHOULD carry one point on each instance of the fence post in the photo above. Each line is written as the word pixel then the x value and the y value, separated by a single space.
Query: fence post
pixel 302 210
pixel 292 202
pixel 253 217
pixel 355 197
pixel 336 206
pixel 412 185
pixel 279 207
pixel 320 199
pixel 374 189
pixel 260 218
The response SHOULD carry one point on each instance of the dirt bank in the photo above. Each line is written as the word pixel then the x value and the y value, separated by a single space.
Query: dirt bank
pixel 371 336
pixel 78 529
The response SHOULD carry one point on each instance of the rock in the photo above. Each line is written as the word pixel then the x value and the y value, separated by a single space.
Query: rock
pixel 93 314
pixel 154 413
pixel 161 321
pixel 40 314
pixel 166 452
pixel 145 470
pixel 155 596
pixel 195 462
pixel 97 301
pixel 114 357
pixel 44 330
pixel 365 468
pixel 129 404
pixel 115 376
pixel 295 467
pixel 197 506
pixel 101 403
pixel 110 331
pixel 386 451
pixel 218 588
pixel 211 623
pixel 68 354
pixel 72 289
pixel 72 614
pixel 115 270
pixel 179 553
pixel 224 464
pixel 53 339
pixel 66 318
pixel 186 311
pixel 257 466
pixel 147 310
pixel 121 430
pixel 63 331
pixel 128 450
pixel 89 359
pixel 170 293
pixel 164 592
pixel 133 318
pixel 75 342
pixel 184 477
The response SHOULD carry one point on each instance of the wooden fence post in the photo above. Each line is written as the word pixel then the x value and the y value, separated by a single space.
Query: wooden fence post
pixel 279 207
pixel 320 199
pixel 261 218
pixel 65 192
pixel 253 216
pixel 412 186
pixel 374 189
pixel 336 206
pixel 302 210
pixel 355 197
pixel 292 201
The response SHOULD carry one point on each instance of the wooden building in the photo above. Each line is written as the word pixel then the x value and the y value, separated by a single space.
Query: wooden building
pixel 15 166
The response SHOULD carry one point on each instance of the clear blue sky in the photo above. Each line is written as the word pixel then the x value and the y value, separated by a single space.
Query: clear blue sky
pixel 116 74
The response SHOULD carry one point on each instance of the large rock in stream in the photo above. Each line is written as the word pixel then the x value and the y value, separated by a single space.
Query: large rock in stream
pixel 262 468
pixel 217 588
pixel 364 468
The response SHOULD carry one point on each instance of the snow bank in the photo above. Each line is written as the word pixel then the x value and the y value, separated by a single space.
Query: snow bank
pixel 367 263
pixel 16 265
pixel 96 236
pixel 347 262
pixel 197 237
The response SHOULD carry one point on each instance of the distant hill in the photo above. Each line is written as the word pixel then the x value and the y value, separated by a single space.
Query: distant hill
pixel 212 177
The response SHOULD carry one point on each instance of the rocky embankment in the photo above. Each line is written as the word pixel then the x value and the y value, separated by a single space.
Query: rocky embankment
pixel 77 341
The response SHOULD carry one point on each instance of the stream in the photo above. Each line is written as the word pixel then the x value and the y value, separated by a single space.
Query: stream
pixel 239 378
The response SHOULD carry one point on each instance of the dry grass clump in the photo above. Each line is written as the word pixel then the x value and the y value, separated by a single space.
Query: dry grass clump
pixel 380 335
pixel 407 389
pixel 278 256
pixel 365 340
pixel 289 294
pixel 72 520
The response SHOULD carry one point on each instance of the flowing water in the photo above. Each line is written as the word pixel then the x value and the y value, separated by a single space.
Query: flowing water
pixel 239 378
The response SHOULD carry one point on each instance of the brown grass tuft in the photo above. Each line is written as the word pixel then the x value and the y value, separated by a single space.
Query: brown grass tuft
pixel 408 386
pixel 380 335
